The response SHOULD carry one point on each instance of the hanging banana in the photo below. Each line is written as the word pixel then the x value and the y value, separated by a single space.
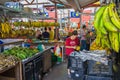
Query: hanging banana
pixel 98 17
pixel 113 16
pixel 107 22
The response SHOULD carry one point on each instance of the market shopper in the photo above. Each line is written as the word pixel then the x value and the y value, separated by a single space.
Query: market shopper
pixel 51 32
pixel 88 40
pixel 70 44
pixel 38 34
pixel 83 38
pixel 45 34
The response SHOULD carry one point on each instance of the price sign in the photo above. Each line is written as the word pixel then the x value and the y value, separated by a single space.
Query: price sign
pixel 74 15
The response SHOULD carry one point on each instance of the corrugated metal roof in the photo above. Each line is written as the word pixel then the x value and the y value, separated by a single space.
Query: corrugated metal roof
pixel 76 4
pixel 3 1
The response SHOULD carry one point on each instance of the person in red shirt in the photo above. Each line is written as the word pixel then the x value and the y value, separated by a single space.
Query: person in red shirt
pixel 70 45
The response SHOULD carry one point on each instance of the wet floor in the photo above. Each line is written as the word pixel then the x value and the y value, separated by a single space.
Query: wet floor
pixel 58 72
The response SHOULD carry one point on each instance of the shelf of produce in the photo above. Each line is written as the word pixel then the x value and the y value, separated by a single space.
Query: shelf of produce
pixel 9 43
pixel 28 65
pixel 47 43
pixel 34 57
pixel 7 68
pixel 13 72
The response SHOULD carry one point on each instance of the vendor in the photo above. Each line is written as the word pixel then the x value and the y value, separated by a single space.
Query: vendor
pixel 51 32
pixel 70 44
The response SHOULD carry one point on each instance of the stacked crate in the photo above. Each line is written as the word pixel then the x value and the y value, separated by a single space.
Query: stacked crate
pixel 99 71
pixel 77 68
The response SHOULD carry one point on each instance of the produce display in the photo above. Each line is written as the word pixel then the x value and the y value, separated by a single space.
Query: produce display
pixel 94 47
pixel 21 52
pixel 107 26
pixel 6 31
pixel 36 24
pixel 7 61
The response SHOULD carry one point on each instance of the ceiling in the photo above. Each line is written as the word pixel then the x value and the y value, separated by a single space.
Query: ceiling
pixel 76 4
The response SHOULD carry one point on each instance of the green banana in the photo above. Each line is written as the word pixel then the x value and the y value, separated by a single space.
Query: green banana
pixel 119 38
pixel 107 42
pixel 113 16
pixel 107 23
pixel 98 38
pixel 102 28
pixel 103 42
pixel 115 41
pixel 98 17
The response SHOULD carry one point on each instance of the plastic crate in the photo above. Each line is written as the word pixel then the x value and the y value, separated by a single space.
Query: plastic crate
pixel 29 71
pixel 97 78
pixel 107 69
pixel 77 74
pixel 97 68
pixel 76 62
pixel 38 68
pixel 38 64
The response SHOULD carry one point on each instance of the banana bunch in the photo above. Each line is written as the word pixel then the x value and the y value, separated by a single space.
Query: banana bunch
pixel 36 24
pixel 5 29
pixel 107 26
pixel 94 46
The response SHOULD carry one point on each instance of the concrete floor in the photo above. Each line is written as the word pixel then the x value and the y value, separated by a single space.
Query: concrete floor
pixel 58 72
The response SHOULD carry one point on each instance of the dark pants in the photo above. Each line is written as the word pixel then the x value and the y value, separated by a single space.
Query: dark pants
pixel 83 45
pixel 68 62
pixel 88 47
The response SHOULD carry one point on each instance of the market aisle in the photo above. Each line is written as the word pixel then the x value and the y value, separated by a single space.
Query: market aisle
pixel 59 72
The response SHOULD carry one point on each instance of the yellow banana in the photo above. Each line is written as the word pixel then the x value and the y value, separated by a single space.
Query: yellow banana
pixel 3 27
pixel 7 28
pixel 113 16
pixel 107 23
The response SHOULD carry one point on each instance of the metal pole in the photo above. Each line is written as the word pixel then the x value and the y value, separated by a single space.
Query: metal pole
pixel 69 17
pixel 60 20
pixel 81 19
pixel 56 12
pixel 37 5
pixel 56 29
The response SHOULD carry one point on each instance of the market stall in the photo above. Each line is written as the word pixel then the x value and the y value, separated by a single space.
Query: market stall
pixel 23 57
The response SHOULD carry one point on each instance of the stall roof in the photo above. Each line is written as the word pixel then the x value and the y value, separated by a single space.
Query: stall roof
pixel 76 4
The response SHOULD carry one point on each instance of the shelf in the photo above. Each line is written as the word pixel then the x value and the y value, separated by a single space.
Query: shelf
pixel 12 42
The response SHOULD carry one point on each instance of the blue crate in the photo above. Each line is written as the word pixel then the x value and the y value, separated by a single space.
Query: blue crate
pixel 99 69
pixel 76 62
pixel 77 74
pixel 97 78
pixel 93 68
pixel 107 69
